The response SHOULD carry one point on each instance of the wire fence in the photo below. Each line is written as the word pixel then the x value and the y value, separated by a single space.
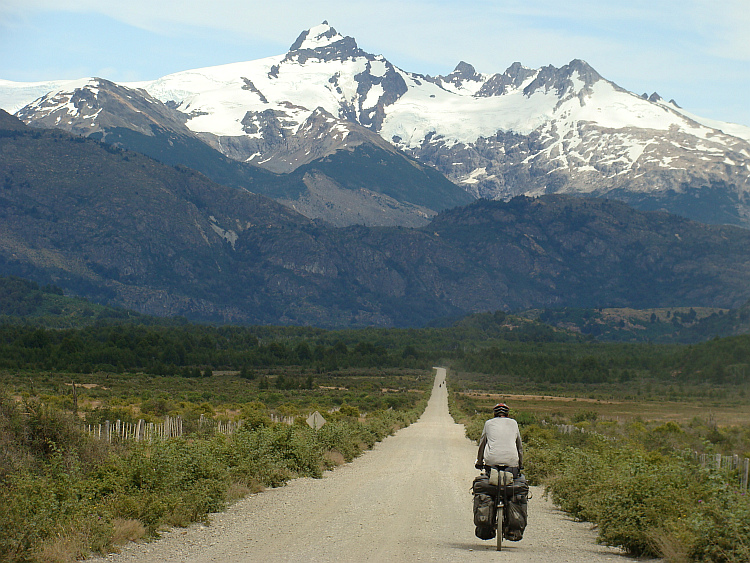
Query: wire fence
pixel 727 464
pixel 172 427
pixel 142 431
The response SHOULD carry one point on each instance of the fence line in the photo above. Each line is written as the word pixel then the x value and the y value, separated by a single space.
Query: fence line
pixel 717 461
pixel 285 419
pixel 172 427
pixel 725 462
pixel 140 431
pixel 227 428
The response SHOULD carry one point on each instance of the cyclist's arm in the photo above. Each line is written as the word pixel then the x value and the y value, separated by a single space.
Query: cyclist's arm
pixel 480 453
pixel 519 447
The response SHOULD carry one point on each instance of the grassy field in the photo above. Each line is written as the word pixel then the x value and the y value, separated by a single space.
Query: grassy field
pixel 288 390
pixel 708 419
pixel 619 410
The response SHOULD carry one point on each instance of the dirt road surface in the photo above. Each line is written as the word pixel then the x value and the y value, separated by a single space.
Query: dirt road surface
pixel 408 499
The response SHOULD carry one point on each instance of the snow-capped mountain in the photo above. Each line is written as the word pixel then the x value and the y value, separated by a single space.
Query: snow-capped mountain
pixel 523 131
pixel 96 105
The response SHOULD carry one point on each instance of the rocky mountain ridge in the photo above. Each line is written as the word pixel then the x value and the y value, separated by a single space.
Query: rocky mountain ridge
pixel 523 131
pixel 402 191
pixel 121 228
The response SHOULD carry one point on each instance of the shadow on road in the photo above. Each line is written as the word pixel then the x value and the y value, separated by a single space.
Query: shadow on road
pixel 488 546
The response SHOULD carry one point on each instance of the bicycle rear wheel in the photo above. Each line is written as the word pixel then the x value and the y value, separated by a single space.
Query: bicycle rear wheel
pixel 499 520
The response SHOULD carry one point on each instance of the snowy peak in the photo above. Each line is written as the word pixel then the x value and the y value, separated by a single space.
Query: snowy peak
pixel 95 104
pixel 523 130
pixel 319 36
pixel 512 79
pixel 465 71
pixel 576 78
pixel 573 78
pixel 464 79
pixel 88 105
pixel 325 43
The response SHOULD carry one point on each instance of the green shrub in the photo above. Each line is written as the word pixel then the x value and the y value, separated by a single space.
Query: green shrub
pixel 585 416
pixel 338 436
pixel 36 507
pixel 173 482
pixel 647 503
pixel 65 495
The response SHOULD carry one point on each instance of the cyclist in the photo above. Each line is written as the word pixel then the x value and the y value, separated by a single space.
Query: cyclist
pixel 500 443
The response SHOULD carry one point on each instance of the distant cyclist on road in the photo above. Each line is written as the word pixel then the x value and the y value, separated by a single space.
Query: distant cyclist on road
pixel 500 443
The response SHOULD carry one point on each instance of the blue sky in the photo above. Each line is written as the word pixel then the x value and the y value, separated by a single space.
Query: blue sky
pixel 694 51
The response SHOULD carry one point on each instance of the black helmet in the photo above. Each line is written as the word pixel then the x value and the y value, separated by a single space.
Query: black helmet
pixel 501 409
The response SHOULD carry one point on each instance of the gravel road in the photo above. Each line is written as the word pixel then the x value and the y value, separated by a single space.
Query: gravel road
pixel 408 499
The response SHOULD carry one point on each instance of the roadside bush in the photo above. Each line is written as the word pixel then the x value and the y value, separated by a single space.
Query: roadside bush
pixel 65 495
pixel 271 455
pixel 37 508
pixel 474 426
pixel 721 530
pixel 173 482
pixel 647 503
pixel 337 436
pixel 255 415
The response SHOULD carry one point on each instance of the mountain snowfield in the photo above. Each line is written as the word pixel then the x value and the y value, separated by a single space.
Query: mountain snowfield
pixel 523 131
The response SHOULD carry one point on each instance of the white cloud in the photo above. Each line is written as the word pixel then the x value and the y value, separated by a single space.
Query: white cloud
pixel 430 26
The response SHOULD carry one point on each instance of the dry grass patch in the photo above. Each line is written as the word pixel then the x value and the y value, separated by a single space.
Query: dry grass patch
pixel 237 491
pixel 670 547
pixel 335 457
pixel 62 549
pixel 622 410
pixel 127 530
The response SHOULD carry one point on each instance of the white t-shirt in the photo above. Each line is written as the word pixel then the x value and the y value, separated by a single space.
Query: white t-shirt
pixel 503 441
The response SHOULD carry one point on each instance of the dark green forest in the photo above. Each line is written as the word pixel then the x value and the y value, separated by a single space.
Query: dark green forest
pixel 509 348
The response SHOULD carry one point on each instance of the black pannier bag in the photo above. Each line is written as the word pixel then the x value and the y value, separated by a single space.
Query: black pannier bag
pixel 483 506
pixel 516 521
pixel 485 532
pixel 518 509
